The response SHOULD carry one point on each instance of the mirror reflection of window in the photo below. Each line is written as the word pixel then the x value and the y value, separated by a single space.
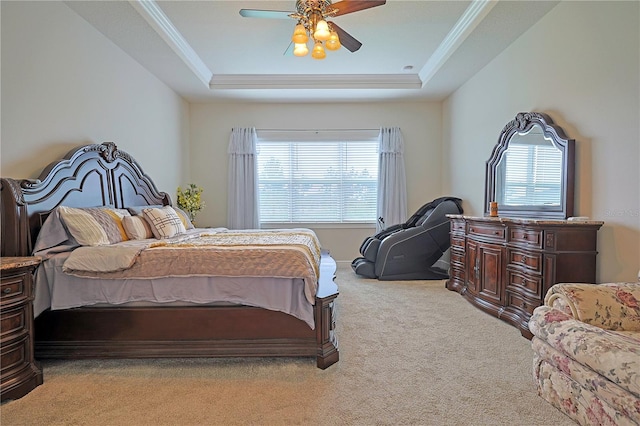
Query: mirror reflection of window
pixel 531 170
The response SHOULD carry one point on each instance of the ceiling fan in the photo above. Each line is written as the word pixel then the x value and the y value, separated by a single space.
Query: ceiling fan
pixel 313 25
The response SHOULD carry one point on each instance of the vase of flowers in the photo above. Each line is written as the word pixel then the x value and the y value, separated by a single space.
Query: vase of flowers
pixel 190 200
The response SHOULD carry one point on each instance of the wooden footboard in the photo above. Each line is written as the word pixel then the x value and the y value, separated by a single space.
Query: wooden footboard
pixel 200 331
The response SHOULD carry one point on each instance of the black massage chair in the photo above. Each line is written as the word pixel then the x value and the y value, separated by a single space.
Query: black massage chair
pixel 414 250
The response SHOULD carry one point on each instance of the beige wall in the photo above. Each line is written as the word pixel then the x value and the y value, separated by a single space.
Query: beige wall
pixel 420 124
pixel 64 84
pixel 580 65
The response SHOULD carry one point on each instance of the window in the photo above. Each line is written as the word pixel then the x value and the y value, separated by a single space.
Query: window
pixel 533 175
pixel 316 177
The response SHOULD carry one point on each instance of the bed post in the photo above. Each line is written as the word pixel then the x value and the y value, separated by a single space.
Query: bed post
pixel 14 221
pixel 325 314
pixel 325 332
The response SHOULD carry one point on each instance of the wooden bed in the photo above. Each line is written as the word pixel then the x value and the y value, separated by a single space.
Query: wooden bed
pixel 102 175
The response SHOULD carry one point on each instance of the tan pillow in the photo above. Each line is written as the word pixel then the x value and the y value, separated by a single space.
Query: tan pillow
pixel 117 215
pixel 137 227
pixel 164 222
pixel 94 226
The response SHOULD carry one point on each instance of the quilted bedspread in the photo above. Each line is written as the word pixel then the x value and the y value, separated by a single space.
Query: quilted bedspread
pixel 293 253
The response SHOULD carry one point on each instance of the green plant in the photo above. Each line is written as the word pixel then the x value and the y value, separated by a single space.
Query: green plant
pixel 190 199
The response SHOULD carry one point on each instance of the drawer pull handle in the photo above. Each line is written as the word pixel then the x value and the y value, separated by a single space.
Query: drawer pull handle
pixel 7 290
pixel 496 232
pixel 525 236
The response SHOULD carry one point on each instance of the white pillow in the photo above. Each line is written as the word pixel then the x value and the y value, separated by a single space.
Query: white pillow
pixel 164 222
pixel 137 227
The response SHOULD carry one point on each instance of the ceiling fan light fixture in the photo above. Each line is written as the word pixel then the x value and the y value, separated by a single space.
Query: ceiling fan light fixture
pixel 321 31
pixel 318 51
pixel 300 49
pixel 299 34
pixel 334 41
pixel 315 21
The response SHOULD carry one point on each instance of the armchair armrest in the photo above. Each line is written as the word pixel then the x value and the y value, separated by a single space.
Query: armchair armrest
pixel 612 355
pixel 611 306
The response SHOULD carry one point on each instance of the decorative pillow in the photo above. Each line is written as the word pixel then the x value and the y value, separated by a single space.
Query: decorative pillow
pixel 184 217
pixel 137 227
pixel 94 226
pixel 164 222
pixel 137 210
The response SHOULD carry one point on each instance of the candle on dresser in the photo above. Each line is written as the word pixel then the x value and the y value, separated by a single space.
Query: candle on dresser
pixel 493 209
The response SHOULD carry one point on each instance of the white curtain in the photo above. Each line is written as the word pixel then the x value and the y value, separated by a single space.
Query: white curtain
pixel 242 197
pixel 392 188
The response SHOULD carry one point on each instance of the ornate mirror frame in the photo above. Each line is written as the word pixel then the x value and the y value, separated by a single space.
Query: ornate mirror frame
pixel 523 123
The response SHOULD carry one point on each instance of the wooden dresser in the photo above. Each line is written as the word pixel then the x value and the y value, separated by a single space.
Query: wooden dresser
pixel 505 266
pixel 19 372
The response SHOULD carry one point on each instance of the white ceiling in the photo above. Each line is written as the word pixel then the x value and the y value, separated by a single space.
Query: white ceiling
pixel 205 50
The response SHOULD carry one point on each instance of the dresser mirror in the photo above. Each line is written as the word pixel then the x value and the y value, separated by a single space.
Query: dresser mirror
pixel 531 169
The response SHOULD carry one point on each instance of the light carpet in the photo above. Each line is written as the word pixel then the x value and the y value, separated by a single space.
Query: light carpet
pixel 411 353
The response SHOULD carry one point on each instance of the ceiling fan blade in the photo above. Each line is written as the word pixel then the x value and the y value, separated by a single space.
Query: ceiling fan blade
pixel 346 39
pixel 349 6
pixel 270 14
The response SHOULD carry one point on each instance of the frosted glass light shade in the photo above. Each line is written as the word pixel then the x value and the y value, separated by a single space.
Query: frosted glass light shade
pixel 322 31
pixel 299 34
pixel 334 41
pixel 318 51
pixel 300 49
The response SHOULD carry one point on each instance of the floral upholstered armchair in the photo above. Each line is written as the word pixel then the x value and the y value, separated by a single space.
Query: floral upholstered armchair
pixel 587 352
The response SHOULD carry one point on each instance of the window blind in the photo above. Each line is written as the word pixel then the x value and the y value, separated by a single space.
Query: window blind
pixel 315 181
pixel 533 175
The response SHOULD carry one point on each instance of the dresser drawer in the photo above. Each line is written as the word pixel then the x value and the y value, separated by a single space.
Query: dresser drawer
pixel 457 243
pixel 15 356
pixel 524 282
pixel 493 232
pixel 13 289
pixel 457 272
pixel 520 303
pixel 456 256
pixel 13 322
pixel 458 226
pixel 527 237
pixel 529 260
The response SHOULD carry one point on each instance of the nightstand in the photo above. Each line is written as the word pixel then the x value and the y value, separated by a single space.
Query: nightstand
pixel 19 371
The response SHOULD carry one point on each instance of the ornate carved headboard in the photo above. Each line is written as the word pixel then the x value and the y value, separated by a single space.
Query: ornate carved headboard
pixel 88 176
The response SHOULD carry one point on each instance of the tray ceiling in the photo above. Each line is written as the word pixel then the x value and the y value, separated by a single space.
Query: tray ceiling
pixel 205 50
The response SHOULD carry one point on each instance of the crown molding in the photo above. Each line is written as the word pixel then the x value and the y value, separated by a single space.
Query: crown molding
pixel 303 81
pixel 469 20
pixel 156 18
pixel 152 13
